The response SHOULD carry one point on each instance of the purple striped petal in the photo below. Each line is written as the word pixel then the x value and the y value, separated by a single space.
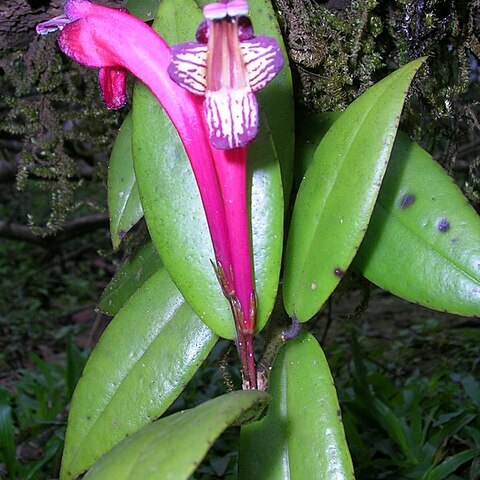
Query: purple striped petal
pixel 189 66
pixel 232 117
pixel 263 60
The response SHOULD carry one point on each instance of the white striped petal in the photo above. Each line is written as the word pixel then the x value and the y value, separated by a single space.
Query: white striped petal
pixel 189 66
pixel 263 60
pixel 232 117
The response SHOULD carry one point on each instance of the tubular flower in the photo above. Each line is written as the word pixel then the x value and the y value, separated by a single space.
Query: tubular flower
pixel 232 64
pixel 227 65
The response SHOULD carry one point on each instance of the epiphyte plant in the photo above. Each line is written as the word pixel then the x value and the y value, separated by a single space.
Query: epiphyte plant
pixel 227 66
pixel 202 200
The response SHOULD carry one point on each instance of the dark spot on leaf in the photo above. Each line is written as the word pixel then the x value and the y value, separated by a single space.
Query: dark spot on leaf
pixel 443 225
pixel 455 240
pixel 407 200
pixel 339 272
pixel 339 413
pixel 121 234
pixel 88 418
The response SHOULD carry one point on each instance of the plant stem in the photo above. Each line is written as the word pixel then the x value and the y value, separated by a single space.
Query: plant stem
pixel 247 357
pixel 243 328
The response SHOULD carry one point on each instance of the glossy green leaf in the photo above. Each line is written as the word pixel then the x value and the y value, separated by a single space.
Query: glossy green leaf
pixel 310 132
pixel 140 365
pixel 173 447
pixel 138 268
pixel 423 241
pixel 302 436
pixel 173 207
pixel 124 204
pixel 337 196
pixel 266 213
pixel 403 246
pixel 144 9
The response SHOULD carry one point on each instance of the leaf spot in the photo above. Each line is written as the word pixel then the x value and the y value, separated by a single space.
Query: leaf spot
pixel 407 200
pixel 339 272
pixel 443 225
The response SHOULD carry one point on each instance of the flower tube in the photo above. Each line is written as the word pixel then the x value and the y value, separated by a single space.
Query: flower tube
pixel 226 66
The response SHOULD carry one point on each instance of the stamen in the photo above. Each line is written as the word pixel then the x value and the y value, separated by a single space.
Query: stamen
pixel 226 68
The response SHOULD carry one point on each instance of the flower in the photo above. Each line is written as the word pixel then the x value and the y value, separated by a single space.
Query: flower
pixel 96 36
pixel 114 41
pixel 227 65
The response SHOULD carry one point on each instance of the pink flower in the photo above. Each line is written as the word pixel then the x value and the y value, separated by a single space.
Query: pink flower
pixel 226 65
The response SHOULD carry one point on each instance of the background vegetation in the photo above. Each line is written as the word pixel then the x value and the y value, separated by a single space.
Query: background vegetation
pixel 406 376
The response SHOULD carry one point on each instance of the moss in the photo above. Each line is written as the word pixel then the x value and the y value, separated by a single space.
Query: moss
pixel 53 108
pixel 338 49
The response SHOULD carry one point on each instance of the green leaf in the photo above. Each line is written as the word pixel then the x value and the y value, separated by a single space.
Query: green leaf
pixel 310 132
pixel 124 204
pixel 140 365
pixel 337 196
pixel 173 207
pixel 266 213
pixel 374 408
pixel 451 428
pixel 302 436
pixel 422 242
pixel 75 361
pixel 403 246
pixel 173 447
pixel 472 388
pixel 143 9
pixel 451 464
pixel 7 433
pixel 50 451
pixel 129 278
